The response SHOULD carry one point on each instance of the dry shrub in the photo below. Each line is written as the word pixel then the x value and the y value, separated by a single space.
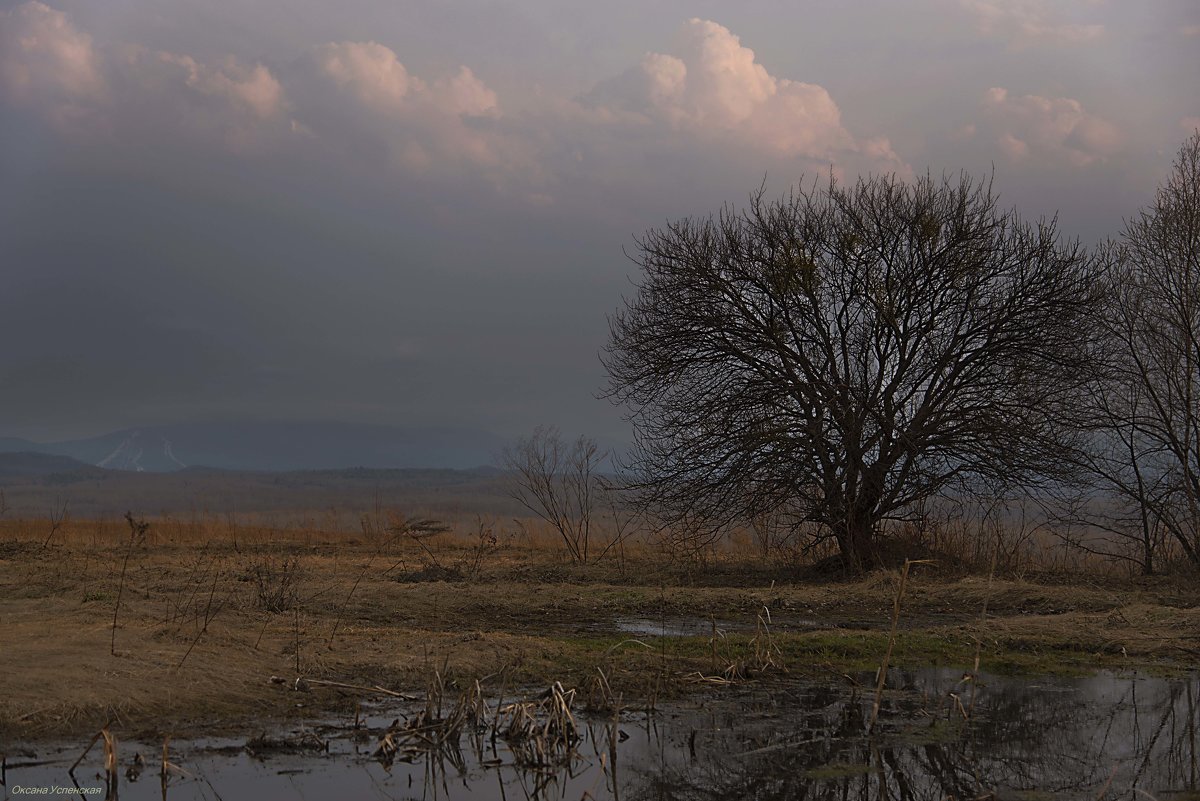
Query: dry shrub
pixel 276 580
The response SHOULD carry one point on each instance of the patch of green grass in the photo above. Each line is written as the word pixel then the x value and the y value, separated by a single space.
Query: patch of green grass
pixel 849 651
pixel 857 651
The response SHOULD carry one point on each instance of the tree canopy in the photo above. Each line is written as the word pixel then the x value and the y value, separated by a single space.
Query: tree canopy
pixel 844 352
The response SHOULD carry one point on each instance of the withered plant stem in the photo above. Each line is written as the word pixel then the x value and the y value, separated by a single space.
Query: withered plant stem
pixel 209 615
pixel 897 602
pixel 296 609
pixel 136 527
pixel 987 597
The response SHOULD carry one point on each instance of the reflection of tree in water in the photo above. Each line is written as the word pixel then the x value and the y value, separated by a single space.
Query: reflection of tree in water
pixel 1056 736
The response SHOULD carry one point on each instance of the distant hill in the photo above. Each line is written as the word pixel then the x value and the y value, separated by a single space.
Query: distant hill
pixel 24 465
pixel 274 446
pixel 316 497
pixel 17 445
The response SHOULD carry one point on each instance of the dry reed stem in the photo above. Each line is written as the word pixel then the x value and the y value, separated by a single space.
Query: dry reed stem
pixel 164 772
pixel 110 759
pixel 209 615
pixel 897 601
pixel 88 748
pixel 987 597
pixel 136 528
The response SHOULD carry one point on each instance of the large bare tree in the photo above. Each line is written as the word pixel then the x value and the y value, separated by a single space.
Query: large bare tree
pixel 845 352
pixel 1145 407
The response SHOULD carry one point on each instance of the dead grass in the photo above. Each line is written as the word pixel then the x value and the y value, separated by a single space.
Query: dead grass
pixel 355 611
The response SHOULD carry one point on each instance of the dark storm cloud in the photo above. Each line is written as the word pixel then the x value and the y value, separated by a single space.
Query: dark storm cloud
pixel 384 217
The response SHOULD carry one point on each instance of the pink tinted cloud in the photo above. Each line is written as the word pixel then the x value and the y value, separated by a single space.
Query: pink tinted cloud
pixel 46 61
pixel 1053 128
pixel 713 85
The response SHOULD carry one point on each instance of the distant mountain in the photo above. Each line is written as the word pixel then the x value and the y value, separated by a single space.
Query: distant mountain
pixel 17 445
pixel 274 446
pixel 26 464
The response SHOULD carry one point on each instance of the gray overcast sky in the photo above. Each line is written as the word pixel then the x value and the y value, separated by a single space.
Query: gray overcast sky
pixel 414 212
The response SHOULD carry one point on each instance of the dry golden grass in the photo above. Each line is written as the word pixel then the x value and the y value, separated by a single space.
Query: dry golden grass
pixel 211 611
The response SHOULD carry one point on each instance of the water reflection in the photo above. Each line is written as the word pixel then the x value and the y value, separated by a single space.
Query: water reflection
pixel 1071 739
pixel 940 738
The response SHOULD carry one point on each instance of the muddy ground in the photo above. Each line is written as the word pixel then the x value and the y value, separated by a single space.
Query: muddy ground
pixel 202 627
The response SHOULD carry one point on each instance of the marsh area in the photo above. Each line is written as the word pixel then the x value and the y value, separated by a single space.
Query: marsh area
pixel 277 662
pixel 1108 735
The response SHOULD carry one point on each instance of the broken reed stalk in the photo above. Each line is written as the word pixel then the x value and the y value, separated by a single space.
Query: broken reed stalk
pixel 110 761
pixel 110 758
pixel 897 601
pixel 541 732
pixel 165 764
pixel 87 749
pixel 168 768
pixel 765 649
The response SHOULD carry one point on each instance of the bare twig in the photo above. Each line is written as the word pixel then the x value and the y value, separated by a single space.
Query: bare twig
pixel 137 533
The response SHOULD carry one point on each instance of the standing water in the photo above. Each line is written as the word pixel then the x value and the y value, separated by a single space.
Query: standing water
pixel 938 737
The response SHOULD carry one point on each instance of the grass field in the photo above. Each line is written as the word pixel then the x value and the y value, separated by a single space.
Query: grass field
pixel 181 627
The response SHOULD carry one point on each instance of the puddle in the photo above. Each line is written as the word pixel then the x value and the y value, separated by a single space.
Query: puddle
pixel 673 626
pixel 702 627
pixel 1028 739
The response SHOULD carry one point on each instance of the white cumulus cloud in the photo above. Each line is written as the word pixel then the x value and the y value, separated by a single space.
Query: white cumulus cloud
pixel 707 107
pixel 375 75
pixel 370 70
pixel 360 94
pixel 1055 128
pixel 253 88
pixel 713 87
pixel 52 67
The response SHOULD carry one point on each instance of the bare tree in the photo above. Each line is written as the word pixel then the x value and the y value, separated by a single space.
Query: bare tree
pixel 559 482
pixel 1145 406
pixel 846 352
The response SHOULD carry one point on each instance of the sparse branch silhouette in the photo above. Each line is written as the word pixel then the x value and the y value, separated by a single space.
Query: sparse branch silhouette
pixel 845 352
pixel 558 482
pixel 1144 409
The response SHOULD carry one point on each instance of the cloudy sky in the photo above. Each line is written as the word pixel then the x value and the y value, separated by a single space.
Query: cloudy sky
pixel 415 212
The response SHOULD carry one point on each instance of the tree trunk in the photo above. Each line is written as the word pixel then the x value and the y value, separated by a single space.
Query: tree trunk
pixel 856 540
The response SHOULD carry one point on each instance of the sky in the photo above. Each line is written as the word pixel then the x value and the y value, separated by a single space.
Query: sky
pixel 419 213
